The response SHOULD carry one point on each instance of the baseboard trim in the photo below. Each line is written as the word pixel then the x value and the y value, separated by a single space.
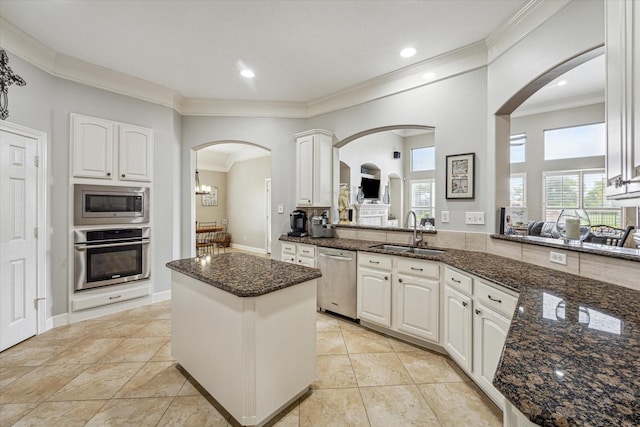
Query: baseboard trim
pixel 161 296
pixel 56 321
pixel 248 248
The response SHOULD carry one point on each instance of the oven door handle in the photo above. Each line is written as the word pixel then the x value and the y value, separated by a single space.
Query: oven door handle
pixel 110 245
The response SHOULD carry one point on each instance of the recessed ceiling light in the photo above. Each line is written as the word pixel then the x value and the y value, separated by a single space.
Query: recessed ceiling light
pixel 429 75
pixel 247 73
pixel 408 52
pixel 562 83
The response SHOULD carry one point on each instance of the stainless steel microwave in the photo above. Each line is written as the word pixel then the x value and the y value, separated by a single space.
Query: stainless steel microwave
pixel 108 204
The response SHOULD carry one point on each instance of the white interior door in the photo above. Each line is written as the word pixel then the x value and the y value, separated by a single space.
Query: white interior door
pixel 268 207
pixel 18 244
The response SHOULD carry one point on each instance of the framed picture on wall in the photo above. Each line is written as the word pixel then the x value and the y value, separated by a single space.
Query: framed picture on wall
pixel 460 176
pixel 211 199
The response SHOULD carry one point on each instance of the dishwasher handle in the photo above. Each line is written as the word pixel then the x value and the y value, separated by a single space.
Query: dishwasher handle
pixel 337 257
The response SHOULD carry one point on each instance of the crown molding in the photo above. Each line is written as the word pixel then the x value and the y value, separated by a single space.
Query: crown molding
pixel 229 107
pixel 531 16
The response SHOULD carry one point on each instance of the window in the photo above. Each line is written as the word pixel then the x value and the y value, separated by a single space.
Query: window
pixel 580 190
pixel 576 141
pixel 518 190
pixel 423 198
pixel 423 159
pixel 517 148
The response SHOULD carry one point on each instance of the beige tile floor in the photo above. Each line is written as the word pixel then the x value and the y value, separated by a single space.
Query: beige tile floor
pixel 118 370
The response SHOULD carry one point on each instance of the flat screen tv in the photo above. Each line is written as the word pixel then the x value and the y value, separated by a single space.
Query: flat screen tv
pixel 370 188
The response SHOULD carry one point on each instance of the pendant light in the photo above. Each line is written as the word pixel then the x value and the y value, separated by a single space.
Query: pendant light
pixel 201 189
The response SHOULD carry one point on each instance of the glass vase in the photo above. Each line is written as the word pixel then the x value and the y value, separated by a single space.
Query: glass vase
pixel 385 196
pixel 360 196
pixel 573 225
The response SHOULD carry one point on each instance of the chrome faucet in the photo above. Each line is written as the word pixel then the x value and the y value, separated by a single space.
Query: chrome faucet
pixel 416 239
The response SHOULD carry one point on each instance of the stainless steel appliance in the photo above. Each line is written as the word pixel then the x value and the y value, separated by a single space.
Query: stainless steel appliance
pixel 337 288
pixel 320 226
pixel 110 256
pixel 108 204
pixel 298 223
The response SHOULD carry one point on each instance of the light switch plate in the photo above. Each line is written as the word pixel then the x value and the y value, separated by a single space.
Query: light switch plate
pixel 475 218
pixel 280 208
pixel 444 216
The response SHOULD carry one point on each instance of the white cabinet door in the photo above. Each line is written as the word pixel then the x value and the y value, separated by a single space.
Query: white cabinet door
pixel 92 147
pixel 136 153
pixel 307 262
pixel 304 169
pixel 417 304
pixel 489 333
pixel 374 296
pixel 458 327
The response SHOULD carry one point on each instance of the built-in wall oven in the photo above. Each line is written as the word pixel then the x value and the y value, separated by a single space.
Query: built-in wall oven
pixel 110 256
pixel 109 204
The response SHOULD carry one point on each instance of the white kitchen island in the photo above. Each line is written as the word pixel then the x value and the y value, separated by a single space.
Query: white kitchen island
pixel 245 328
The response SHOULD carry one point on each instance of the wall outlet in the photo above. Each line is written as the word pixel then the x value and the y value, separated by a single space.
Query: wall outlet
pixel 280 208
pixel 475 218
pixel 444 216
pixel 558 258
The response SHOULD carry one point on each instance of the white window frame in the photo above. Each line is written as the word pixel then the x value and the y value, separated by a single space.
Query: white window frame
pixel 518 139
pixel 432 208
pixel 580 173
pixel 422 148
pixel 522 175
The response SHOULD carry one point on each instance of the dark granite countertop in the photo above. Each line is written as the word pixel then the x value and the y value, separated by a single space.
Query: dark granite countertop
pixel 589 248
pixel 572 354
pixel 244 275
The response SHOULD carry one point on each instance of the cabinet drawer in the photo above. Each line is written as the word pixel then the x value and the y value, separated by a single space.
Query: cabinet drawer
pixel 289 248
pixel 110 298
pixel 419 268
pixel 307 251
pixel 457 280
pixel 307 262
pixel 495 298
pixel 374 261
pixel 288 258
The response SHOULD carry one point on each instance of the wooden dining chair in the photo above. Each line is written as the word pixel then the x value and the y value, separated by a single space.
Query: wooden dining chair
pixel 205 233
pixel 222 238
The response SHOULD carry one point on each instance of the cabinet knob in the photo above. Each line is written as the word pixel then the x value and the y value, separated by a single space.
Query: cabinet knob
pixel 477 311
pixel 108 173
pixel 464 303
pixel 400 280
pixel 123 175
pixel 386 277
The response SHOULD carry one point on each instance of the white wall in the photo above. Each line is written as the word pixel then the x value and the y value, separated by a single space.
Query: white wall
pixel 246 201
pixel 534 126
pixel 275 135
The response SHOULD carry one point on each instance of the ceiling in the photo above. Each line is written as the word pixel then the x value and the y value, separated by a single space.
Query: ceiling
pixel 220 157
pixel 300 51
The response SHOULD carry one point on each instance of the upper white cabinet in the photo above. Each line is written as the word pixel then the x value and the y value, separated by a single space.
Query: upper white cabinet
pixel 102 149
pixel 314 168
pixel 623 98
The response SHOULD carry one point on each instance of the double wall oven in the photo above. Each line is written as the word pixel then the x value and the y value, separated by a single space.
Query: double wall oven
pixel 116 248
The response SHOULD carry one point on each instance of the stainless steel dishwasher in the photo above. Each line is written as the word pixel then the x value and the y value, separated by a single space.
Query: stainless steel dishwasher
pixel 337 286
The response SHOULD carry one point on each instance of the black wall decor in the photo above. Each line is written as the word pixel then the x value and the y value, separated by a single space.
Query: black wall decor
pixel 7 78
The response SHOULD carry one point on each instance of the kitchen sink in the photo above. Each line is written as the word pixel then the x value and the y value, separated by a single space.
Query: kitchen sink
pixel 392 248
pixel 423 251
pixel 406 249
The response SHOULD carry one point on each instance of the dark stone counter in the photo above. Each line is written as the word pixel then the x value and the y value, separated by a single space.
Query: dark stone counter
pixel 572 354
pixel 244 275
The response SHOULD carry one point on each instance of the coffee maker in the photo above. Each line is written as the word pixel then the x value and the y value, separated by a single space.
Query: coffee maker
pixel 298 224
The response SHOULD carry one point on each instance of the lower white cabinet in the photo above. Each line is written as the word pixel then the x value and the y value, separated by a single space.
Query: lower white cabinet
pixel 417 306
pixel 515 418
pixel 489 333
pixel 374 296
pixel 458 327
pixel 300 254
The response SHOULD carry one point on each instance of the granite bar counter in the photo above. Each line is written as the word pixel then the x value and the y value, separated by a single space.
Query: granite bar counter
pixel 245 328
pixel 572 354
